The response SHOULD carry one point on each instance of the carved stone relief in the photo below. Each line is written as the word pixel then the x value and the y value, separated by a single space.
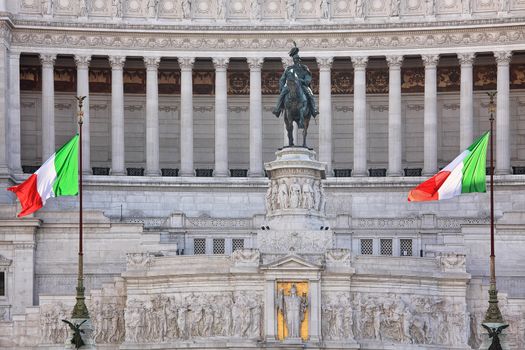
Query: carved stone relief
pixel 108 321
pixel 52 330
pixel 337 317
pixel 295 193
pixel 186 316
pixel 410 319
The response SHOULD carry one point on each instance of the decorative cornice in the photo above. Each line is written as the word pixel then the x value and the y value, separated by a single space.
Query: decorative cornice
pixel 82 61
pixel 48 60
pixel 220 63
pixel 466 58
pixel 152 63
pixel 117 62
pixel 186 62
pixel 394 61
pixel 503 57
pixel 430 60
pixel 359 62
pixel 324 63
pixel 255 63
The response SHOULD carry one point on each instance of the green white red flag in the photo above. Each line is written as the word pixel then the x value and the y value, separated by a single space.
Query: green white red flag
pixel 466 174
pixel 58 176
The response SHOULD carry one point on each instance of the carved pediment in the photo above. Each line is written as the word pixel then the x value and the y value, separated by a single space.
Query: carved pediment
pixel 292 262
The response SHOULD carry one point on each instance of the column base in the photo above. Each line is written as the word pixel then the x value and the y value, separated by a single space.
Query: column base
pixel 258 173
pixel 187 173
pixel 502 172
pixel 220 174
pixel 117 173
pixel 152 173
pixel 393 173
pixel 359 173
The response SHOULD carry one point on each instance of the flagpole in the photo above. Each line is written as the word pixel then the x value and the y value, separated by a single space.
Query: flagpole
pixel 493 314
pixel 80 310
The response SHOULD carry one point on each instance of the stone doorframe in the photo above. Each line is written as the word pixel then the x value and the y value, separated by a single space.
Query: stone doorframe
pixel 292 268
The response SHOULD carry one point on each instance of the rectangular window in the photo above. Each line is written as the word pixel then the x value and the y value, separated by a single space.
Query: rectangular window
pixel 405 247
pixel 386 247
pixel 199 246
pixel 2 284
pixel 367 247
pixel 237 244
pixel 218 246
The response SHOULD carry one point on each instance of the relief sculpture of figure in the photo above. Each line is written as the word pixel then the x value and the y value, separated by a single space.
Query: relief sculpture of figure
pixel 282 198
pixel 255 10
pixel 152 6
pixel 290 10
pixel 186 9
pixel 394 8
pixel 325 9
pixel 293 308
pixel 308 196
pixel 47 7
pixel 117 8
pixel 295 195
pixel 83 8
pixel 220 9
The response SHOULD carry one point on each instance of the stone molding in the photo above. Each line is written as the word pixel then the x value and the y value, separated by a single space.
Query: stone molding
pixel 445 41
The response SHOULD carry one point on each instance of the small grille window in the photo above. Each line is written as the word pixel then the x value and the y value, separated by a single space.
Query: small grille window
pixel 367 247
pixel 218 246
pixel 405 246
pixel 199 246
pixel 386 247
pixel 237 244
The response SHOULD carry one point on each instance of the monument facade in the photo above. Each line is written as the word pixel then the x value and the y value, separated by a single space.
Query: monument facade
pixel 197 224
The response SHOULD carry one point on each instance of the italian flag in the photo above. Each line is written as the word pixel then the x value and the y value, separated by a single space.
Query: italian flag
pixel 466 174
pixel 57 177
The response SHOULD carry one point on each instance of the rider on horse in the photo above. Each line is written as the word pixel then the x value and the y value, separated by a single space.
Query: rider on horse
pixel 303 75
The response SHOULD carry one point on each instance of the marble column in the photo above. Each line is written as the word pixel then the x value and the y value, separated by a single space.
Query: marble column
pixel 83 90
pixel 325 112
pixel 466 105
pixel 14 138
pixel 221 117
pixel 117 115
pixel 152 116
pixel 48 106
pixel 3 6
pixel 4 105
pixel 256 162
pixel 502 113
pixel 430 117
pixel 186 116
pixel 360 127
pixel 394 116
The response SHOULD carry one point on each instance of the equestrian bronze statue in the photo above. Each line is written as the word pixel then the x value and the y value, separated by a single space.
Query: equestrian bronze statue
pixel 296 99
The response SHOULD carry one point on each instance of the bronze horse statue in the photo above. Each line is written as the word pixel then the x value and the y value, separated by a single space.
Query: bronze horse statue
pixel 296 109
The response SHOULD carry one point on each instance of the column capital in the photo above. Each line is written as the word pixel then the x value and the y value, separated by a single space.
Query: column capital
pixel 287 61
pixel 117 62
pixel 186 62
pixel 503 57
pixel 47 60
pixel 255 63
pixel 430 60
pixel 466 58
pixel 152 62
pixel 221 63
pixel 324 63
pixel 359 62
pixel 394 61
pixel 82 61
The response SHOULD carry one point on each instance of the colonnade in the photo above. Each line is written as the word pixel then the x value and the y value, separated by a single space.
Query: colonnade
pixel 221 168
